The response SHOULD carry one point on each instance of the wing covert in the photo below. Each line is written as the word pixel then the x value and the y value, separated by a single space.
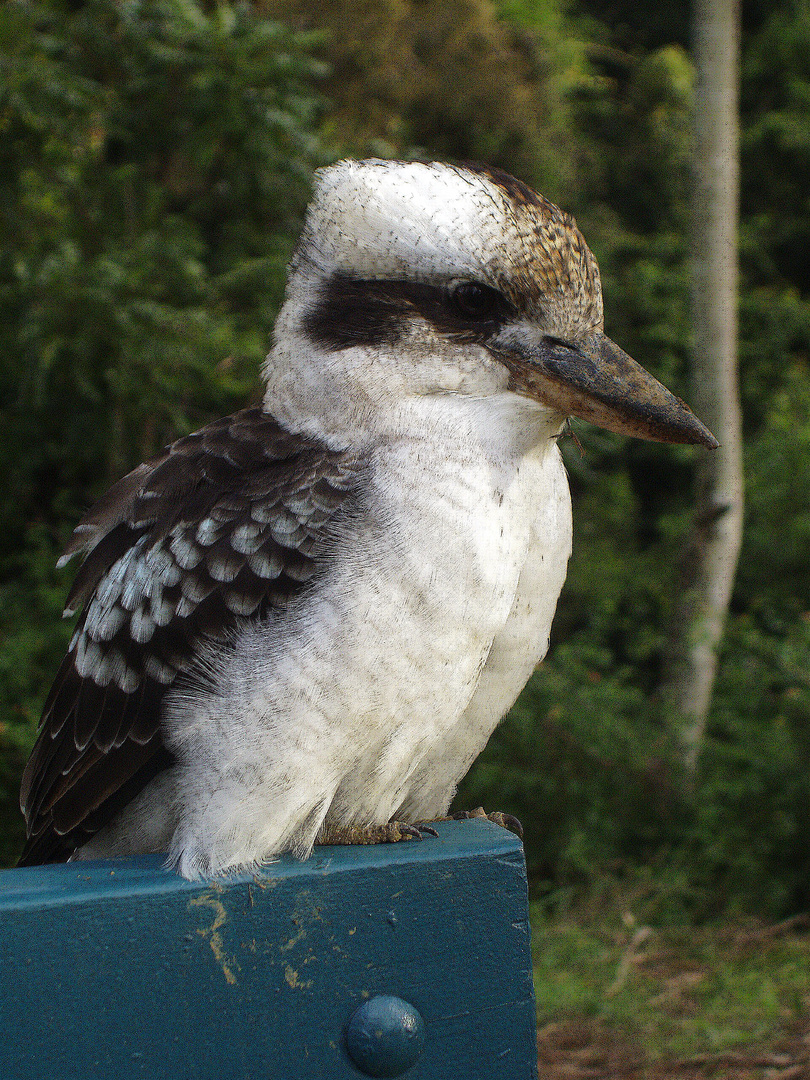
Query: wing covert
pixel 223 526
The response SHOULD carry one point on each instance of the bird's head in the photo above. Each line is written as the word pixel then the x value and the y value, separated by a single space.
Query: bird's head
pixel 417 278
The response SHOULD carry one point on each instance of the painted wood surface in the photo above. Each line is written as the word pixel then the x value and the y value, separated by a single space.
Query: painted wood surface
pixel 121 969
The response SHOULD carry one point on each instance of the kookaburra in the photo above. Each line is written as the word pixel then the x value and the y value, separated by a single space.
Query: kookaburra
pixel 303 622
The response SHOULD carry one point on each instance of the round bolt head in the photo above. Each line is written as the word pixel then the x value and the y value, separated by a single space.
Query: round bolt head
pixel 385 1036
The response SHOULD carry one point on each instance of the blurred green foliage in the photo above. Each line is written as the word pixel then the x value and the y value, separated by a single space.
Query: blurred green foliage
pixel 154 164
pixel 447 79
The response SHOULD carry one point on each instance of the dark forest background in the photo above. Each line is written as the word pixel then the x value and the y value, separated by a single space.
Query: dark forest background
pixel 155 162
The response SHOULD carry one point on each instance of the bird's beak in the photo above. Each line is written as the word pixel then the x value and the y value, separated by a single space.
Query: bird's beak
pixel 596 381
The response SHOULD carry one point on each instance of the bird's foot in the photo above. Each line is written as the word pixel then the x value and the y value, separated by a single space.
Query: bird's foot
pixel 506 821
pixel 392 832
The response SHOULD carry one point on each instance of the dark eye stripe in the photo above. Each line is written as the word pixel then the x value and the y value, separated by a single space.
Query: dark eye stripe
pixel 353 311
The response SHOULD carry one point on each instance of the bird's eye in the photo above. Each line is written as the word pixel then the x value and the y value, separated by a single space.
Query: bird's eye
pixel 473 300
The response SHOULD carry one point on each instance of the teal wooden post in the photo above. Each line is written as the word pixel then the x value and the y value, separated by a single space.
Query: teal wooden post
pixel 400 960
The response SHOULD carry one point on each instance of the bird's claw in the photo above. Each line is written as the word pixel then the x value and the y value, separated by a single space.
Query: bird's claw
pixel 506 821
pixel 402 830
pixel 426 829
pixel 392 832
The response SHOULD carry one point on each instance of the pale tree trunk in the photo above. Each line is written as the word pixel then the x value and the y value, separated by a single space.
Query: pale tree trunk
pixel 713 554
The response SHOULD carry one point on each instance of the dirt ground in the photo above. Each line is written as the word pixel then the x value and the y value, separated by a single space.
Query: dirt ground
pixel 584 1050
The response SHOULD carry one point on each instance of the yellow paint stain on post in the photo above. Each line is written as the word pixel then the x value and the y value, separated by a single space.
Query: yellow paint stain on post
pixel 291 942
pixel 212 932
pixel 307 911
pixel 294 981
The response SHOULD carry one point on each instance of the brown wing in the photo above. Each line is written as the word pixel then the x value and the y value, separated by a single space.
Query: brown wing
pixel 222 527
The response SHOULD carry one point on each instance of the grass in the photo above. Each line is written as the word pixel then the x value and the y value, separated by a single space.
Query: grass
pixel 671 993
